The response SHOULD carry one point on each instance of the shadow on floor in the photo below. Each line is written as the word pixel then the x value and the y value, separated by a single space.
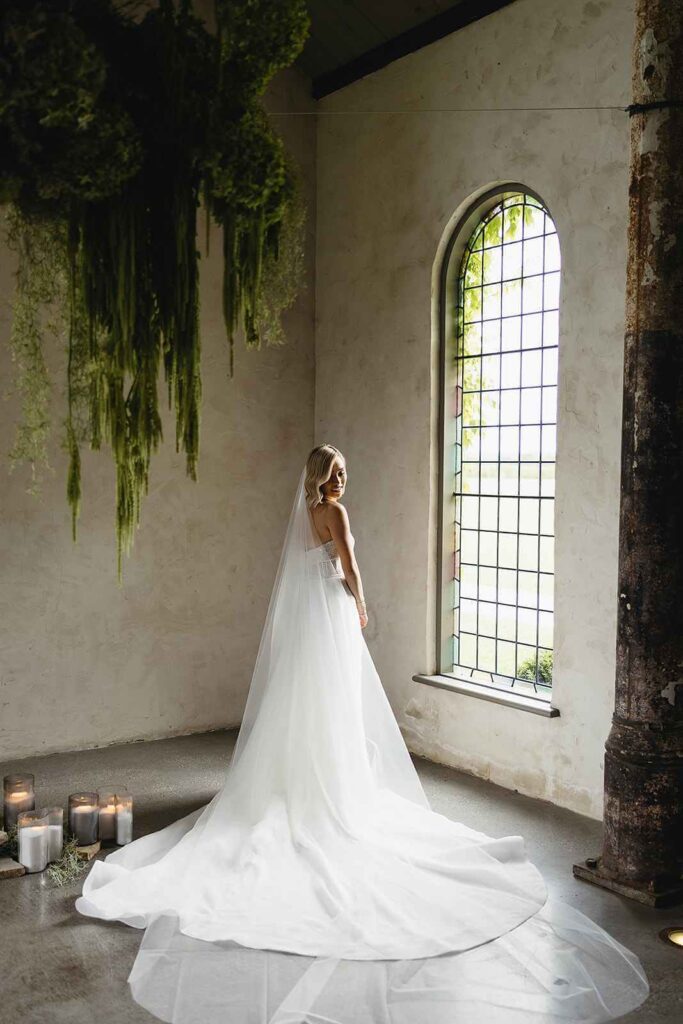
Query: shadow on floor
pixel 61 968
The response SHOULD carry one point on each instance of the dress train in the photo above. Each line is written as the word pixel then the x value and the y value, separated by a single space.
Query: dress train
pixel 318 885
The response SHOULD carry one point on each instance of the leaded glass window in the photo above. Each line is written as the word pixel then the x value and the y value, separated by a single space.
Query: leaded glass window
pixel 505 403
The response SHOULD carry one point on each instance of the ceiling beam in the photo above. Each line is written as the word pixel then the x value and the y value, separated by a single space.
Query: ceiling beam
pixel 457 17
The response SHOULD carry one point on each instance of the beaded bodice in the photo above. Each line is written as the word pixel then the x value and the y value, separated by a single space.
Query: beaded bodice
pixel 324 560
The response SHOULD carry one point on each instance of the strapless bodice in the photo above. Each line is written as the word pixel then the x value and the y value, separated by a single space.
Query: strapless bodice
pixel 328 546
pixel 324 561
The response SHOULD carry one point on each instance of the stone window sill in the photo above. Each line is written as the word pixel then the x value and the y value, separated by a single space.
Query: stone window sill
pixel 509 699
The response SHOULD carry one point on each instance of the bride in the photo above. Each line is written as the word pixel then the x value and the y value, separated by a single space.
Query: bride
pixel 318 885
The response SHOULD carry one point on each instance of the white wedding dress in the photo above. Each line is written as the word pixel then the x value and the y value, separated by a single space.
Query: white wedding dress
pixel 318 886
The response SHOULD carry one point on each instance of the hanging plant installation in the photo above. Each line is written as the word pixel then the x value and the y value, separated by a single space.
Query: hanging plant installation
pixel 112 130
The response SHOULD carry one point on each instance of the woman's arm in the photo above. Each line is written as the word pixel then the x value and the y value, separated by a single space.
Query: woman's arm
pixel 338 523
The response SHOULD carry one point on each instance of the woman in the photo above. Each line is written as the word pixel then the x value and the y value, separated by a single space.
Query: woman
pixel 325 485
pixel 321 843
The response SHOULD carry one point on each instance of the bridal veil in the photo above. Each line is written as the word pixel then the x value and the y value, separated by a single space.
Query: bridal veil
pixel 318 886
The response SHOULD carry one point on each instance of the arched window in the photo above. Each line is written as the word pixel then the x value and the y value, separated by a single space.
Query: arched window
pixel 500 306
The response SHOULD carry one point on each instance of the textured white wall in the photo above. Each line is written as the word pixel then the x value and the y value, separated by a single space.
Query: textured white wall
pixel 84 663
pixel 394 165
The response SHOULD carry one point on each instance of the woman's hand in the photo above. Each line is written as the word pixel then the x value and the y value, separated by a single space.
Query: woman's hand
pixel 362 614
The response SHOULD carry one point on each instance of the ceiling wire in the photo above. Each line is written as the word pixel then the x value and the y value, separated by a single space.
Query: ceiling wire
pixel 442 110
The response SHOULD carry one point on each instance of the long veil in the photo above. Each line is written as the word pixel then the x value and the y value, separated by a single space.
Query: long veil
pixel 285 609
pixel 318 886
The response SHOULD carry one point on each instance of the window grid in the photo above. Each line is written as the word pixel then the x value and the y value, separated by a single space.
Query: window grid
pixel 513 220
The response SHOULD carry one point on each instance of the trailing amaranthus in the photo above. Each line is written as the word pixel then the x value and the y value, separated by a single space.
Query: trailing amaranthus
pixel 111 129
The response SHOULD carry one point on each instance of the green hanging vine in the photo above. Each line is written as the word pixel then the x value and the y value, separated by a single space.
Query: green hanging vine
pixel 112 130
pixel 40 288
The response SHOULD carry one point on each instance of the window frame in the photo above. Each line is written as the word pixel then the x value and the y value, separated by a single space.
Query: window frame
pixel 449 276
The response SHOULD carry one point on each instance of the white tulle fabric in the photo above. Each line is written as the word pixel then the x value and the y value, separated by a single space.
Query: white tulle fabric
pixel 317 885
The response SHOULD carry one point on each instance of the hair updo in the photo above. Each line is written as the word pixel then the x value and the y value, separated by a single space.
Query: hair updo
pixel 318 471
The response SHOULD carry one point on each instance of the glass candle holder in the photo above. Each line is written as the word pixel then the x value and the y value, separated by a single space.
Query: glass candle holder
pixel 18 796
pixel 84 816
pixel 32 831
pixel 106 800
pixel 55 832
pixel 124 819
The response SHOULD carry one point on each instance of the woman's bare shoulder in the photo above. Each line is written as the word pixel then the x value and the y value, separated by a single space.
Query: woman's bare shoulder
pixel 337 511
pixel 330 517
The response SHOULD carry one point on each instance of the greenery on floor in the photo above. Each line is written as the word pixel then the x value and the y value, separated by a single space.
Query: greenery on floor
pixel 11 846
pixel 116 121
pixel 69 866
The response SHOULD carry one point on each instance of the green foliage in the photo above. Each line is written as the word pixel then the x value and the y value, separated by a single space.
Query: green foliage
pixel 258 38
pixel 481 267
pixel 40 287
pixel 111 130
pixel 11 847
pixel 283 270
pixel 69 866
pixel 62 871
pixel 65 134
pixel 480 411
pixel 544 675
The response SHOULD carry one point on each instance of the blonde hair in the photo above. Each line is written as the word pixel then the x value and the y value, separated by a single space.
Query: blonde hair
pixel 318 471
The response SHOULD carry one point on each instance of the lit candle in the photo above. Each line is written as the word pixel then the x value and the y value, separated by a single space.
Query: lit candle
pixel 18 796
pixel 32 829
pixel 55 832
pixel 84 817
pixel 107 822
pixel 124 820
pixel 106 800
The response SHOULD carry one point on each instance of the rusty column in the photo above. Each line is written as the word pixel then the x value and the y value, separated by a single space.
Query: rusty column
pixel 642 855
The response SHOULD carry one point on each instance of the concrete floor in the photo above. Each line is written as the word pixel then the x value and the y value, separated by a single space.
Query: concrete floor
pixel 57 966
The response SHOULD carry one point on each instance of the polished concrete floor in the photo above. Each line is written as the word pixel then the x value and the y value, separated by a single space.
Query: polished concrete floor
pixel 57 967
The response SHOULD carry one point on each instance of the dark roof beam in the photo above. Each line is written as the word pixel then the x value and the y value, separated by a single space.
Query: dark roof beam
pixel 463 14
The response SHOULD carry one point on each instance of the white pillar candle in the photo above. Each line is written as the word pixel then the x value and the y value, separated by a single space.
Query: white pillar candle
pixel 55 831
pixel 124 825
pixel 33 843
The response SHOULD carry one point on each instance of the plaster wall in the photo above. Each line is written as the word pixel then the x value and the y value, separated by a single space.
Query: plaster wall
pixel 400 154
pixel 85 663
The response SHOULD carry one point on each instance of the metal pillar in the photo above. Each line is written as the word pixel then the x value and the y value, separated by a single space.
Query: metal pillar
pixel 642 855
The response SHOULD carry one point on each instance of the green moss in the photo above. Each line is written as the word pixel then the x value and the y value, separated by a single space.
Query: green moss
pixel 69 867
pixel 11 847
pixel 111 130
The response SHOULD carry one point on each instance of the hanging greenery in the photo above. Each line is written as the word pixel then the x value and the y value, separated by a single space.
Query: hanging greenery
pixel 40 288
pixel 113 128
